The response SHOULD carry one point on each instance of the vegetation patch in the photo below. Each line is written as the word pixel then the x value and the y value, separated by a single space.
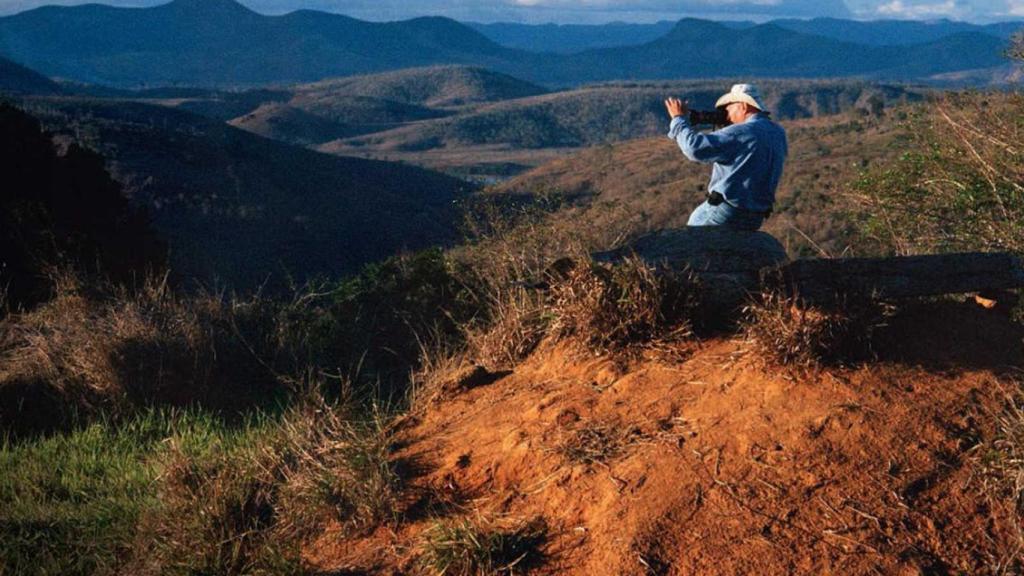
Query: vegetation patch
pixel 629 304
pixel 468 548
pixel 782 331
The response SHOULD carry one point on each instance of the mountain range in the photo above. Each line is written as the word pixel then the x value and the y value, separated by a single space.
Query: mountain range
pixel 222 43
pixel 569 38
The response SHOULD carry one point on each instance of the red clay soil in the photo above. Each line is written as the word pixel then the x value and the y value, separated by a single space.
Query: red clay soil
pixel 712 463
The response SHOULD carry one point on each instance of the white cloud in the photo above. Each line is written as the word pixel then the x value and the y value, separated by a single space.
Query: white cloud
pixel 918 11
pixel 1015 7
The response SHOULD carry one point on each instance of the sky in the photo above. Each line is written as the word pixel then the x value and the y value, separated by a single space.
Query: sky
pixel 600 11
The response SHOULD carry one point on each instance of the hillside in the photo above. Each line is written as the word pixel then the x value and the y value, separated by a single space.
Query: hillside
pixel 432 87
pixel 703 460
pixel 222 43
pixel 240 209
pixel 345 107
pixel 768 50
pixel 505 133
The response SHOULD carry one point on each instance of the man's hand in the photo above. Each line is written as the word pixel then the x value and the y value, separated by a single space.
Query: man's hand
pixel 676 107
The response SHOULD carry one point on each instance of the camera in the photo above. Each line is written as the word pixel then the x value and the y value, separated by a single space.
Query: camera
pixel 717 117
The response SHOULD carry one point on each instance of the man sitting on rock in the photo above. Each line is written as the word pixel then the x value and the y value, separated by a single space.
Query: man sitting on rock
pixel 747 155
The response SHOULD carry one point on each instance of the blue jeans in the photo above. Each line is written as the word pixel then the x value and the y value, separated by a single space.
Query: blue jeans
pixel 725 214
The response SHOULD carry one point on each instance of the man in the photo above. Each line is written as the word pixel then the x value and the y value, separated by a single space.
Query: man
pixel 747 155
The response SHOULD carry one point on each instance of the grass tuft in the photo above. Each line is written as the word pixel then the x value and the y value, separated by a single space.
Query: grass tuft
pixel 611 309
pixel 783 332
pixel 468 548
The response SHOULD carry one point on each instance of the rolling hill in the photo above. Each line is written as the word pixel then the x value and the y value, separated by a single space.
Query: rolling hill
pixel 239 209
pixel 222 43
pixel 340 108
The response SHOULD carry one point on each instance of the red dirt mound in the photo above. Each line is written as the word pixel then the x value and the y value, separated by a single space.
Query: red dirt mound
pixel 708 462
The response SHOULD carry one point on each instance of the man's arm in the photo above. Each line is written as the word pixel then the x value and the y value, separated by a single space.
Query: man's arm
pixel 697 146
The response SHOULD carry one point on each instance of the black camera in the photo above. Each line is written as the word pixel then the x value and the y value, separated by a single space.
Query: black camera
pixel 717 117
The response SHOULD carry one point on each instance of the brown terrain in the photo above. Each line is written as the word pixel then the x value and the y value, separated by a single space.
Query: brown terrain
pixel 703 459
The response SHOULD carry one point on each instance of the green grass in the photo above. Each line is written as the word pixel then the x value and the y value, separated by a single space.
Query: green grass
pixel 70 503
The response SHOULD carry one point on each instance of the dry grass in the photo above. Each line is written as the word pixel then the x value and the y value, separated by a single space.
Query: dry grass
pixel 611 309
pixel 781 331
pixel 1000 460
pixel 479 548
pixel 596 443
pixel 115 351
pixel 247 505
pixel 342 471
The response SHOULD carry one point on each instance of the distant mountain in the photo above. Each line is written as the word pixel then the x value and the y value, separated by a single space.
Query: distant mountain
pixel 221 42
pixel 17 79
pixel 569 38
pixel 240 209
pixel 894 32
pixel 698 48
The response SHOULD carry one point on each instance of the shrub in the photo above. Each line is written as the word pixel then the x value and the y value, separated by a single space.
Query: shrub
pixel 781 330
pixel 613 308
pixel 466 548
pixel 101 349
pixel 960 185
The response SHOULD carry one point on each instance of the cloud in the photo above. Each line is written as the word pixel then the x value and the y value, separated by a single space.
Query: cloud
pixel 911 11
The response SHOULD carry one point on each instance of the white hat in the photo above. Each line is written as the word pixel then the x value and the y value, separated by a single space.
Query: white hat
pixel 747 93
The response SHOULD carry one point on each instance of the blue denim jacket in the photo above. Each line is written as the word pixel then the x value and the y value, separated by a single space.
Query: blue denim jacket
pixel 747 158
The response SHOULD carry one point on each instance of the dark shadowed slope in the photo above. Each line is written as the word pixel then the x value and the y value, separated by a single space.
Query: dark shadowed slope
pixel 17 79
pixel 242 208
